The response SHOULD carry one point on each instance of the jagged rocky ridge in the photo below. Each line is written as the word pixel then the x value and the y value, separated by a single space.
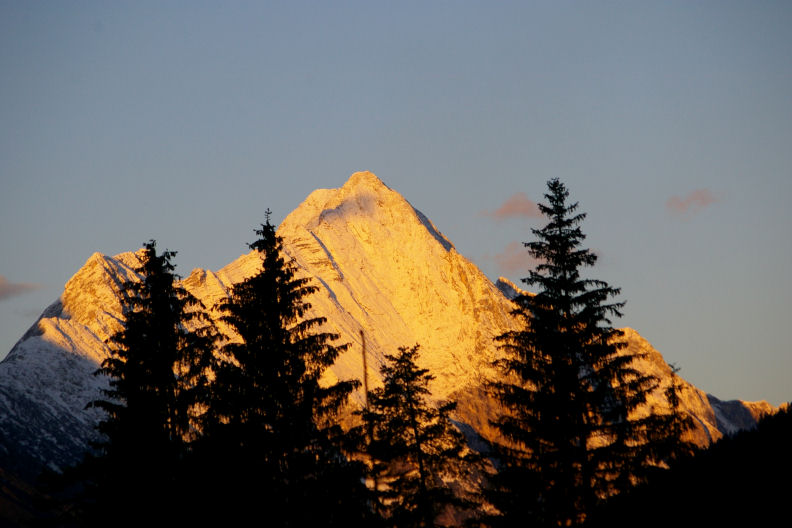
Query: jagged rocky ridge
pixel 382 268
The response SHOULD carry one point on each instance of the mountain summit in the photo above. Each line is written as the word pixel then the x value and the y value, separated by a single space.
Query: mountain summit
pixel 384 271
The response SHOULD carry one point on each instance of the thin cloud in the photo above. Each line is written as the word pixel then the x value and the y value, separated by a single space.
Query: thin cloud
pixel 692 203
pixel 517 205
pixel 514 259
pixel 29 314
pixel 10 289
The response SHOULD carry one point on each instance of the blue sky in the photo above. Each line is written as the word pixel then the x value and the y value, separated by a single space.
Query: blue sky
pixel 670 122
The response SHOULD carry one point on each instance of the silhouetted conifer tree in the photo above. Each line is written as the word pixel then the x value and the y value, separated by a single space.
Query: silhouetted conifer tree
pixel 271 448
pixel 569 388
pixel 420 460
pixel 157 368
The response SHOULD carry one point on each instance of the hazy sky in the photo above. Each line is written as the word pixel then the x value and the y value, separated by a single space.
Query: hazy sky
pixel 670 122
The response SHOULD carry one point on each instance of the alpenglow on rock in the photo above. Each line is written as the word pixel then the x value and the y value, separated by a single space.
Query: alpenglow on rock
pixel 382 268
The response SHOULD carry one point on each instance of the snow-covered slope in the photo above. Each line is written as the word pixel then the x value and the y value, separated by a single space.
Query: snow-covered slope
pixel 382 268
pixel 47 379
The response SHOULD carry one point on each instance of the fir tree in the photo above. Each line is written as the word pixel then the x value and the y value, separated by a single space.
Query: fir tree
pixel 568 389
pixel 271 445
pixel 157 374
pixel 420 460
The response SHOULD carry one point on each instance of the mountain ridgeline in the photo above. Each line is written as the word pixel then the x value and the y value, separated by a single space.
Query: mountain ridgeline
pixel 384 272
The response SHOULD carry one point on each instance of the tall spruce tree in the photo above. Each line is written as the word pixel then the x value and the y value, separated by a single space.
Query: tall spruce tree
pixel 271 447
pixel 568 388
pixel 157 366
pixel 421 462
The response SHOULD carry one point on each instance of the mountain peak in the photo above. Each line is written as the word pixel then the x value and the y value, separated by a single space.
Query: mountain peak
pixel 364 205
pixel 358 195
pixel 364 180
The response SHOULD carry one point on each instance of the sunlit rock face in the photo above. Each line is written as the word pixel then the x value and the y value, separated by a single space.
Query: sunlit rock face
pixel 381 267
pixel 384 268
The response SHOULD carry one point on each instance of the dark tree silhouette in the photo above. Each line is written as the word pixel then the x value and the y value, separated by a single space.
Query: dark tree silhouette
pixel 420 460
pixel 270 446
pixel 157 368
pixel 741 480
pixel 569 389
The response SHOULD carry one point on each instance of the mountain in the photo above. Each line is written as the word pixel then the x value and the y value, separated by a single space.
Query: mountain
pixel 383 269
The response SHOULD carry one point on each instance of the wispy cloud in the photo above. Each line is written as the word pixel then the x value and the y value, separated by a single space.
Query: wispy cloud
pixel 10 289
pixel 33 313
pixel 517 205
pixel 514 259
pixel 692 203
